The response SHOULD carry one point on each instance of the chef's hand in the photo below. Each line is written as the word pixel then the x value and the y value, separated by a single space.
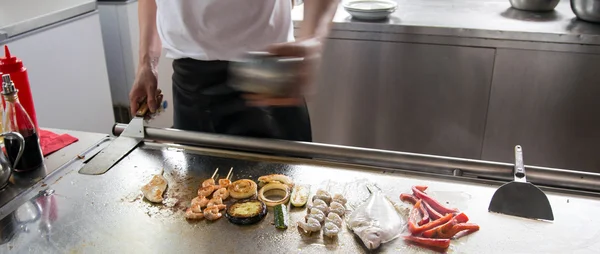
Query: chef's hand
pixel 310 49
pixel 145 87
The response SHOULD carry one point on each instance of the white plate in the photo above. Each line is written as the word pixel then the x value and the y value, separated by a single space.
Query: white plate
pixel 370 5
pixel 370 15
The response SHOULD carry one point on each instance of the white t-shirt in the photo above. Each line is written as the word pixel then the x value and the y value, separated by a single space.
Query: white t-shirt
pixel 222 29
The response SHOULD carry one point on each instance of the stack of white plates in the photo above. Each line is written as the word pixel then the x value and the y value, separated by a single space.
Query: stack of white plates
pixel 370 9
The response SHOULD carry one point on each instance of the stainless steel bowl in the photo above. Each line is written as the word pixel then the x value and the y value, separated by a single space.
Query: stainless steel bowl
pixel 264 73
pixel 534 5
pixel 588 10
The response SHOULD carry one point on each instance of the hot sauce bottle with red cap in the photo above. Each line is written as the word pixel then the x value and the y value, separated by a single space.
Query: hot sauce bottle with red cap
pixel 16 119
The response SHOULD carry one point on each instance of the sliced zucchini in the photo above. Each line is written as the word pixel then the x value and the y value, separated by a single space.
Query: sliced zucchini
pixel 281 216
pixel 300 195
pixel 246 212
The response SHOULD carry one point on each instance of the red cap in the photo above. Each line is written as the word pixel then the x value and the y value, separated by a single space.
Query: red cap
pixel 9 63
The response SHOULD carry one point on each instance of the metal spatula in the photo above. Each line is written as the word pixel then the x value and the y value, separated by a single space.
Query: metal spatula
pixel 120 147
pixel 520 198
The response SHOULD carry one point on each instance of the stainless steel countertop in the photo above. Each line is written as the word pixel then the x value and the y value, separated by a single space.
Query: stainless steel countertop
pixel 488 19
pixel 78 213
pixel 21 182
pixel 17 17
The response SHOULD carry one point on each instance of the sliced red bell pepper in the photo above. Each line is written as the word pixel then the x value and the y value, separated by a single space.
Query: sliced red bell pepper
pixel 437 243
pixel 433 214
pixel 415 229
pixel 432 202
pixel 413 200
pixel 467 228
pixel 405 197
pixel 421 187
pixel 442 231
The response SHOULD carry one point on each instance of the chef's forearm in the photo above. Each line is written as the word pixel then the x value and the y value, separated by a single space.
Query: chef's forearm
pixel 150 45
pixel 318 15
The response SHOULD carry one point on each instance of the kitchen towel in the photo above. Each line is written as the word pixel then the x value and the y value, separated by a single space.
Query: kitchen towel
pixel 52 142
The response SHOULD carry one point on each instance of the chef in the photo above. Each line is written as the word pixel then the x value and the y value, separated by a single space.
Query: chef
pixel 202 36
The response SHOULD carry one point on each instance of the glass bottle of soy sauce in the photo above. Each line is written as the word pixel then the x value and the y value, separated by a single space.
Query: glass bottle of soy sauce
pixel 16 119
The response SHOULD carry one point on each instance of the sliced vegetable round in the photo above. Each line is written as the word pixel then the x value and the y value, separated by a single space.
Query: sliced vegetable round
pixel 243 188
pixel 246 212
pixel 274 186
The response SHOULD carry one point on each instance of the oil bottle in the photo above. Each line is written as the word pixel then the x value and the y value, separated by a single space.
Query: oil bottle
pixel 16 119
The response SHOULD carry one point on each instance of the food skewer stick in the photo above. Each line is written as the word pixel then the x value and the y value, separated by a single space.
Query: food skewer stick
pixel 215 173
pixel 229 175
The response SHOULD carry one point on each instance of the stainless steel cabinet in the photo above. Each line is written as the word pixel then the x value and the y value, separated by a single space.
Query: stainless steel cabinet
pixel 402 96
pixel 548 102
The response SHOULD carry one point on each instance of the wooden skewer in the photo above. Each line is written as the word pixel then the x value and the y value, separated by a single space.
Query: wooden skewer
pixel 229 175
pixel 215 173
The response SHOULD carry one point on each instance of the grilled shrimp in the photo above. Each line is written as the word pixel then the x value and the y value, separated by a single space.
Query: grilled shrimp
pixel 224 183
pixel 212 213
pixel 189 214
pixel 208 182
pixel 222 193
pixel 200 201
pixel 216 202
pixel 206 191
pixel 311 225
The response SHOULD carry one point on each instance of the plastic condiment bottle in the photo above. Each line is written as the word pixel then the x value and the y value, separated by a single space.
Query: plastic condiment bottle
pixel 13 66
pixel 16 119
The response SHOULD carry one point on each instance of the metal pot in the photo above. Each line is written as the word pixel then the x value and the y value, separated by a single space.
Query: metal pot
pixel 264 73
pixel 5 167
pixel 588 10
pixel 534 5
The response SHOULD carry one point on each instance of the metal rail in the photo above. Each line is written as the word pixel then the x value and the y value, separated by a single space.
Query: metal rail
pixel 552 177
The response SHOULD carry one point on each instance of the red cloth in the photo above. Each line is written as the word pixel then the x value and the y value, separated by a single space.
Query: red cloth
pixel 52 142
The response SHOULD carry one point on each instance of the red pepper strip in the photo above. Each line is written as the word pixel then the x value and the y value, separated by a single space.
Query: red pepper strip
pixel 433 214
pixel 421 187
pixel 469 227
pixel 437 243
pixel 413 200
pixel 441 231
pixel 405 197
pixel 434 204
pixel 416 229
pixel 424 215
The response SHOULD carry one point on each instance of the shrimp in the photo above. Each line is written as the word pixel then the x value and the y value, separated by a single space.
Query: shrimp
pixel 216 202
pixel 330 229
pixel 322 208
pixel 338 208
pixel 222 193
pixel 200 201
pixel 206 191
pixel 322 195
pixel 311 225
pixel 340 199
pixel 212 213
pixel 319 205
pixel 316 214
pixel 335 219
pixel 224 183
pixel 208 182
pixel 189 214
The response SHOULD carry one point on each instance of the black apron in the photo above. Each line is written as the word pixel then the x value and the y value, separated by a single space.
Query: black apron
pixel 203 101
